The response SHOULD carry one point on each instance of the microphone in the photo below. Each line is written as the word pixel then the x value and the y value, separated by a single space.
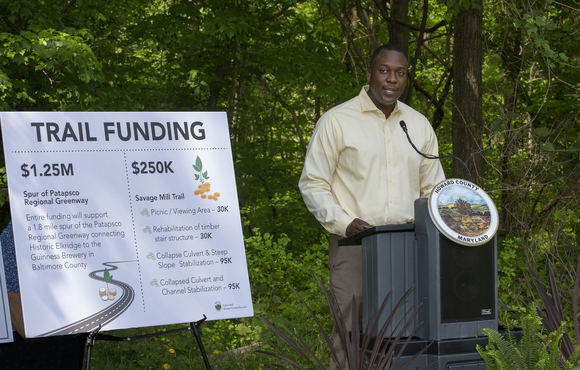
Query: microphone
pixel 429 156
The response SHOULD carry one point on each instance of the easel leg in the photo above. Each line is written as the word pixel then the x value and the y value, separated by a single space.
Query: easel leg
pixel 196 329
pixel 193 327
pixel 90 343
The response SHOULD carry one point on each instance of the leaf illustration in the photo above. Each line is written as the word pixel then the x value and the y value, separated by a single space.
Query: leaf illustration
pixel 108 277
pixel 200 175
pixel 198 166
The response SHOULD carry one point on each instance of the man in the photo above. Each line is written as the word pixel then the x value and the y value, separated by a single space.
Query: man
pixel 360 171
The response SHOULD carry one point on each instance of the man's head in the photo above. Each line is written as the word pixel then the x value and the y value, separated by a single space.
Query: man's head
pixel 392 47
pixel 387 76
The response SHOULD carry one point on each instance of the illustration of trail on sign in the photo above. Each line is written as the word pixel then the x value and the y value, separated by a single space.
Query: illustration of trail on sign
pixel 103 317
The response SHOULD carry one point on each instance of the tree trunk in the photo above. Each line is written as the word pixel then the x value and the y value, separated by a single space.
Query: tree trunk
pixel 467 113
pixel 399 34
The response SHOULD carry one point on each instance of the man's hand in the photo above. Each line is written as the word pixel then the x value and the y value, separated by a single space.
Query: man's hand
pixel 357 225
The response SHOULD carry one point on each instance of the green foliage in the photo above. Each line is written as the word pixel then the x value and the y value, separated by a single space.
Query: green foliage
pixel 47 67
pixel 3 189
pixel 273 271
pixel 46 61
pixel 274 67
pixel 530 352
pixel 511 269
pixel 546 305
pixel 455 6
pixel 382 356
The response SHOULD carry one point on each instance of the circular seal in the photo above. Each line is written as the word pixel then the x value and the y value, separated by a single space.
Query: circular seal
pixel 463 212
pixel 218 306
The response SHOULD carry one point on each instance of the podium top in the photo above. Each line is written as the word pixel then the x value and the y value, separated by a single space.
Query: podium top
pixel 356 239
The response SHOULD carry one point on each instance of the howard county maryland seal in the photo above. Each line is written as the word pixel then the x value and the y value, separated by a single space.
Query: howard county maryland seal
pixel 463 212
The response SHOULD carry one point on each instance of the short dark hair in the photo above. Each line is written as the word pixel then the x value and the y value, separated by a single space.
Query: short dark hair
pixel 387 47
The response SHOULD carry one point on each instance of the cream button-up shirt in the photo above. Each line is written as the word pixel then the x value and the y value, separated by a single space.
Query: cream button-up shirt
pixel 361 165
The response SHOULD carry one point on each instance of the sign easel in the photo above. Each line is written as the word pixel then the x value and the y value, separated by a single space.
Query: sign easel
pixel 122 218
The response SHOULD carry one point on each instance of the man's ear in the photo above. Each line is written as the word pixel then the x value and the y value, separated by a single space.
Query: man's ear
pixel 368 75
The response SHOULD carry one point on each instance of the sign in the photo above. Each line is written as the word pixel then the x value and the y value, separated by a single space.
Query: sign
pixel 6 323
pixel 124 219
pixel 463 212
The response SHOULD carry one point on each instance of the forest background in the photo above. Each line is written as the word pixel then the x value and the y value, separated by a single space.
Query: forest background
pixel 498 79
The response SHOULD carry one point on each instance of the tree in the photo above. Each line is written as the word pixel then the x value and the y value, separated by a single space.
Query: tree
pixel 463 207
pixel 46 60
pixel 276 66
pixel 467 89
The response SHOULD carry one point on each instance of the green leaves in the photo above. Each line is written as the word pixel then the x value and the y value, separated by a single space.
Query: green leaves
pixel 534 350
pixel 48 65
pixel 542 132
pixel 201 175
pixel 547 146
pixel 455 6
pixel 198 165
pixel 540 21
pixel 107 276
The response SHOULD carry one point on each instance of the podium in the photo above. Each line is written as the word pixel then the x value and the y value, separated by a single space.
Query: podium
pixel 389 262
pixel 455 285
pixel 458 283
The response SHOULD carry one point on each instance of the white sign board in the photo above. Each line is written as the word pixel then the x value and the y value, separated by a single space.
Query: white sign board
pixel 124 219
pixel 6 323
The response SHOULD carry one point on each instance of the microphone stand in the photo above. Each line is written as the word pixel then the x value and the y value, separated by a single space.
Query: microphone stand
pixel 429 156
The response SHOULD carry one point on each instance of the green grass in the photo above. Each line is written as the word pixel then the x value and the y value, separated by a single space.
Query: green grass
pixel 232 344
pixel 181 351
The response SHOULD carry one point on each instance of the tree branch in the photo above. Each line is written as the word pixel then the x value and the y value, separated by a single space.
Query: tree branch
pixel 567 6
pixel 417 51
pixel 289 109
pixel 385 14
pixel 347 34
pixel 428 48
pixel 437 101
pixel 277 14
pixel 371 29
pixel 67 7
pixel 11 25
pixel 383 10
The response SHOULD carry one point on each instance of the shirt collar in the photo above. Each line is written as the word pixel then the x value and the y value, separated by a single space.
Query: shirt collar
pixel 368 105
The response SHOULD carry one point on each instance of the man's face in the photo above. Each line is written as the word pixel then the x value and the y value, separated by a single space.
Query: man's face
pixel 387 78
